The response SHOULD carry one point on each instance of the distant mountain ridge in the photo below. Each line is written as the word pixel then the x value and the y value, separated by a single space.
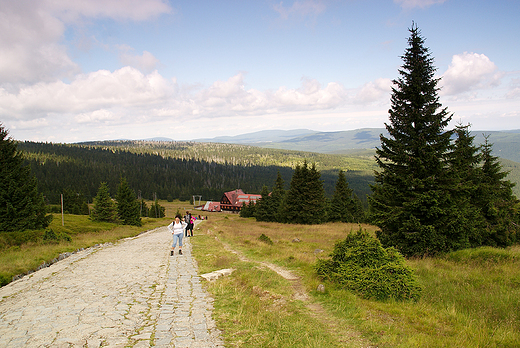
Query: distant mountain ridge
pixel 506 144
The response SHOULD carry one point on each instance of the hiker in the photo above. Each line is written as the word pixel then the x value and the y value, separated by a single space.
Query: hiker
pixel 177 229
pixel 190 221
pixel 187 220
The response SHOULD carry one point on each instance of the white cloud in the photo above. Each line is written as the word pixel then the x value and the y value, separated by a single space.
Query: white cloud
pixel 310 96
pixel 300 10
pixel 30 44
pixel 126 87
pixel 145 63
pixel 96 116
pixel 374 91
pixel 468 72
pixel 410 4
pixel 514 89
pixel 104 95
pixel 32 33
pixel 137 10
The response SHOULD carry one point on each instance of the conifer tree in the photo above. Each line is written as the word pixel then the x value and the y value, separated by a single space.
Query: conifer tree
pixel 293 201
pixel 248 210
pixel 411 201
pixel 143 208
pixel 305 200
pixel 277 199
pixel 104 208
pixel 357 209
pixel 22 207
pixel 495 198
pixel 74 203
pixel 262 208
pixel 342 201
pixel 128 208
pixel 465 175
pixel 156 210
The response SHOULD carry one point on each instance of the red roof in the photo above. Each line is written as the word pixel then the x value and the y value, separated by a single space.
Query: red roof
pixel 212 206
pixel 233 200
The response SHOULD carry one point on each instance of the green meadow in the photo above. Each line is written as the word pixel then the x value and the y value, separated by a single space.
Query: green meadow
pixel 470 298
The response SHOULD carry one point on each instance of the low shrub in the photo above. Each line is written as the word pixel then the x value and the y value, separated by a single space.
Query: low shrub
pixel 265 239
pixel 362 265
pixel 8 239
pixel 52 237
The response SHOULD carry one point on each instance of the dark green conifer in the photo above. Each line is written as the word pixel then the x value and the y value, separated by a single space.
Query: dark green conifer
pixel 342 201
pixel 495 198
pixel 104 208
pixel 305 200
pixel 22 207
pixel 411 201
pixel 144 208
pixel 128 208
pixel 263 206
pixel 248 210
pixel 277 199
pixel 74 203
pixel 464 174
pixel 156 210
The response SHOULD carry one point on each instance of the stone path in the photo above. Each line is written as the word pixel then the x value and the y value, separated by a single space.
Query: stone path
pixel 130 294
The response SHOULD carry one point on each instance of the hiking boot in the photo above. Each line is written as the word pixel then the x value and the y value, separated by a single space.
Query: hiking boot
pixel 180 252
pixel 171 253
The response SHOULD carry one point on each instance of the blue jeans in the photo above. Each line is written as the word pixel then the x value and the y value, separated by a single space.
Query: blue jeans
pixel 175 238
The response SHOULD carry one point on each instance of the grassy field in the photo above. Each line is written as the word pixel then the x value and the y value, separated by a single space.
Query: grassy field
pixel 83 233
pixel 471 298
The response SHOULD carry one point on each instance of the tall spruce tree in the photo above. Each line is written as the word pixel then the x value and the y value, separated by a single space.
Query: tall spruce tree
pixel 305 200
pixel 277 199
pixel 341 202
pixel 465 175
pixel 104 208
pixel 263 206
pixel 495 198
pixel 22 207
pixel 412 199
pixel 128 208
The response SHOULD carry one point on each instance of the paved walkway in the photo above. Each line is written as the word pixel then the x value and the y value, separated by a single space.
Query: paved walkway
pixel 130 294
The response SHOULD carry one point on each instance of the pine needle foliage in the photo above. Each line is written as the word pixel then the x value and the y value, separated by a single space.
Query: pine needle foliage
pixel 495 198
pixel 305 201
pixel 104 208
pixel 433 194
pixel 22 207
pixel 362 265
pixel 412 201
pixel 128 208
pixel 344 205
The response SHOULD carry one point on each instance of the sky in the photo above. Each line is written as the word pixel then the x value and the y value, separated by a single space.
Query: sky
pixel 73 71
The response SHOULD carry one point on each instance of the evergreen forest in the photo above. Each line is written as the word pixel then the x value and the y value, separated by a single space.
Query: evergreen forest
pixel 179 170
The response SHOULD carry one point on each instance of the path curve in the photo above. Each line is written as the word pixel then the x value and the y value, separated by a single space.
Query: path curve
pixel 128 294
pixel 346 334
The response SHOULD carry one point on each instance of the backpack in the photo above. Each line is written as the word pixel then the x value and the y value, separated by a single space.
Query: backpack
pixel 187 219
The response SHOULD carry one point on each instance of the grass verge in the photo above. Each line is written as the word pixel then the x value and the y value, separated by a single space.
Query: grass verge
pixel 470 298
pixel 83 233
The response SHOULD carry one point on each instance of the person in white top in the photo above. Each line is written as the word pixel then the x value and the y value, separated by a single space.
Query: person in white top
pixel 177 229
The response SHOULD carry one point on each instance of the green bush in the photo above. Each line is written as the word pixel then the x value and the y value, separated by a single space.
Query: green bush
pixel 265 239
pixel 362 265
pixel 8 239
pixel 52 237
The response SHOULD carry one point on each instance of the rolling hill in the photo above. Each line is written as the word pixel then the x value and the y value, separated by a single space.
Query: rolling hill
pixel 506 144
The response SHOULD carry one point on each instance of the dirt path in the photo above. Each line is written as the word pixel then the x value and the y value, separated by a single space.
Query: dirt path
pixel 345 334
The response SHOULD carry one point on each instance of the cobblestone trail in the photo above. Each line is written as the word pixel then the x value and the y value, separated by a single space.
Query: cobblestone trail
pixel 130 294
